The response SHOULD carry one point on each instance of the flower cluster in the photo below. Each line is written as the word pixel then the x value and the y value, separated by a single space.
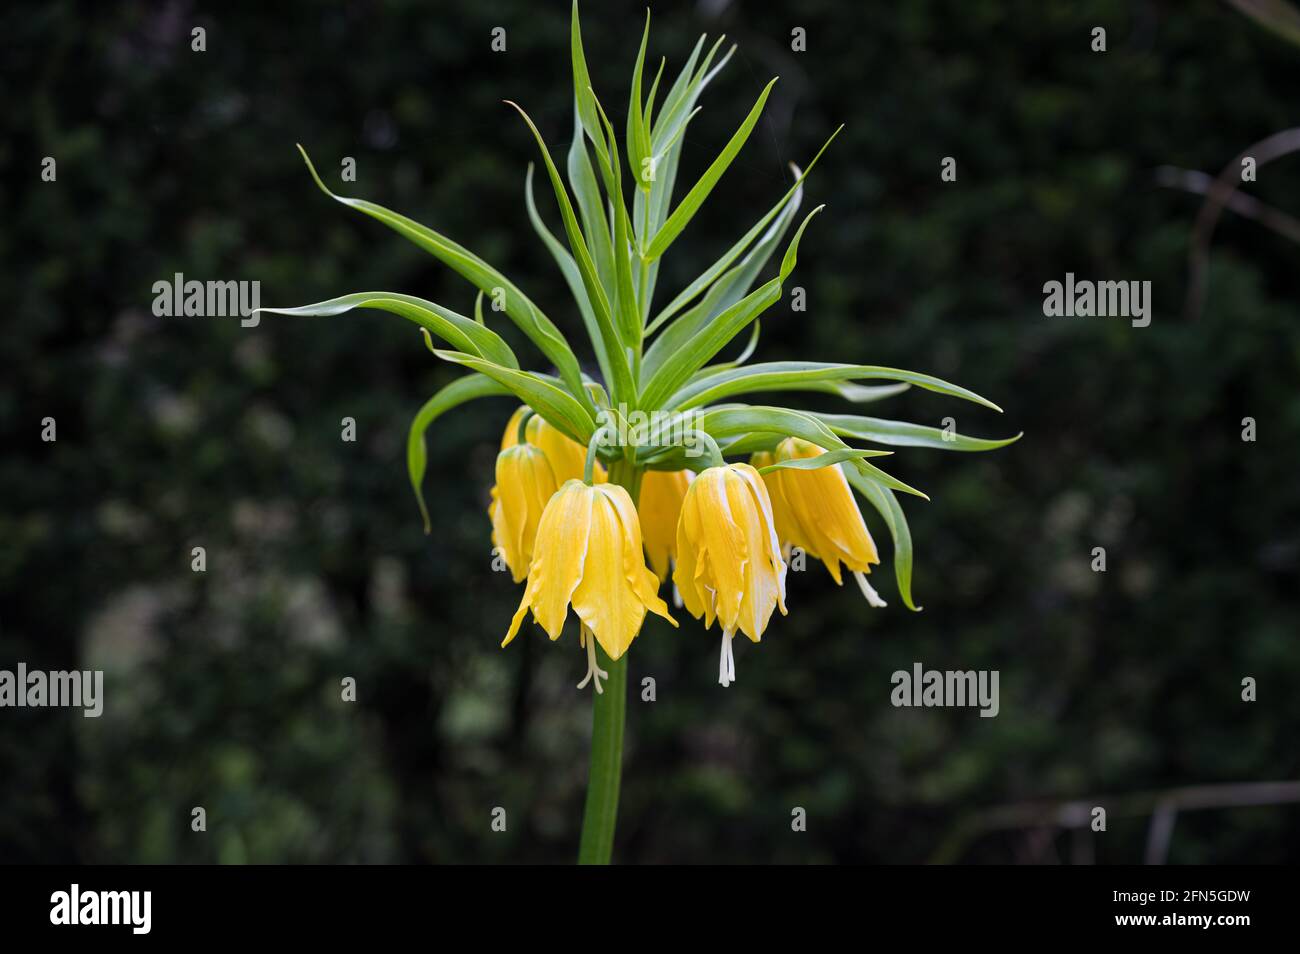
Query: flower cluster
pixel 723 535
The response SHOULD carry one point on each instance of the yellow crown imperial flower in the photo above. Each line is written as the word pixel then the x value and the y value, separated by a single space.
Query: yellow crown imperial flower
pixel 729 564
pixel 565 454
pixel 565 457
pixel 525 482
pixel 660 507
pixel 815 510
pixel 588 553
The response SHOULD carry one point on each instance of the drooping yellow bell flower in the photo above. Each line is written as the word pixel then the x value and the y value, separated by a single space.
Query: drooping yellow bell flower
pixel 588 554
pixel 509 438
pixel 660 507
pixel 566 458
pixel 565 454
pixel 780 512
pixel 729 564
pixel 525 482
pixel 817 512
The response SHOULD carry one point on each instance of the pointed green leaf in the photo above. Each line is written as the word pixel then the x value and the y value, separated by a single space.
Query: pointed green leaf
pixel 685 92
pixel 648 116
pixel 582 84
pixel 527 316
pixel 744 419
pixel 864 393
pixel 803 376
pixel 622 382
pixel 886 504
pixel 710 274
pixel 822 460
pixel 638 136
pixel 907 434
pixel 595 226
pixel 569 269
pixel 692 201
pixel 460 332
pixel 627 311
pixel 687 350
pixel 560 408
pixel 452 395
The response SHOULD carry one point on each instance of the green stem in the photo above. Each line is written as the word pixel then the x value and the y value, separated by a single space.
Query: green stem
pixel 608 713
pixel 522 436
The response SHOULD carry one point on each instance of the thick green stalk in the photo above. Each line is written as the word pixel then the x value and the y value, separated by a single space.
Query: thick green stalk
pixel 608 713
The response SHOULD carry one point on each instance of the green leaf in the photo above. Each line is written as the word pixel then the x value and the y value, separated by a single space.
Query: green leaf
pixel 863 393
pixel 557 406
pixel 710 274
pixel 750 347
pixel 621 382
pixel 582 84
pixel 460 332
pixel 572 277
pixel 744 419
pixel 822 460
pixel 907 434
pixel 648 116
pixel 452 395
pixel 751 443
pixel 723 293
pixel 886 504
pixel 666 133
pixel 626 309
pixel 692 201
pixel 638 135
pixel 804 376
pixel 595 226
pixel 685 349
pixel 685 92
pixel 527 316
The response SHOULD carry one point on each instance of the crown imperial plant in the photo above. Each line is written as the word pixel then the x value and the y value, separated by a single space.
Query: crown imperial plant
pixel 577 460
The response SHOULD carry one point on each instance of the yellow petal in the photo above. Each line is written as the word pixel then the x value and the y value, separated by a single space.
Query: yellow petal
pixel 660 510
pixel 604 599
pixel 558 558
pixel 686 574
pixel 643 582
pixel 567 456
pixel 524 485
pixel 510 436
pixel 765 580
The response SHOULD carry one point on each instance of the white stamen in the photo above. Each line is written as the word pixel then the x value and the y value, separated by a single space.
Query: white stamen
pixel 872 596
pixel 594 672
pixel 726 662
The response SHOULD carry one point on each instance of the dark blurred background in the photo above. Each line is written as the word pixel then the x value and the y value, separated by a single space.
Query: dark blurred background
pixel 1118 688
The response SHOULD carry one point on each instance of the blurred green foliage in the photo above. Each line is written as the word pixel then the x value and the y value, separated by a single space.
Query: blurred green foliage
pixel 223 687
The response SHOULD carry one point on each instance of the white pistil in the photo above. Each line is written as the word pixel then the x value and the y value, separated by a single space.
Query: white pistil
pixel 872 596
pixel 726 661
pixel 594 673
